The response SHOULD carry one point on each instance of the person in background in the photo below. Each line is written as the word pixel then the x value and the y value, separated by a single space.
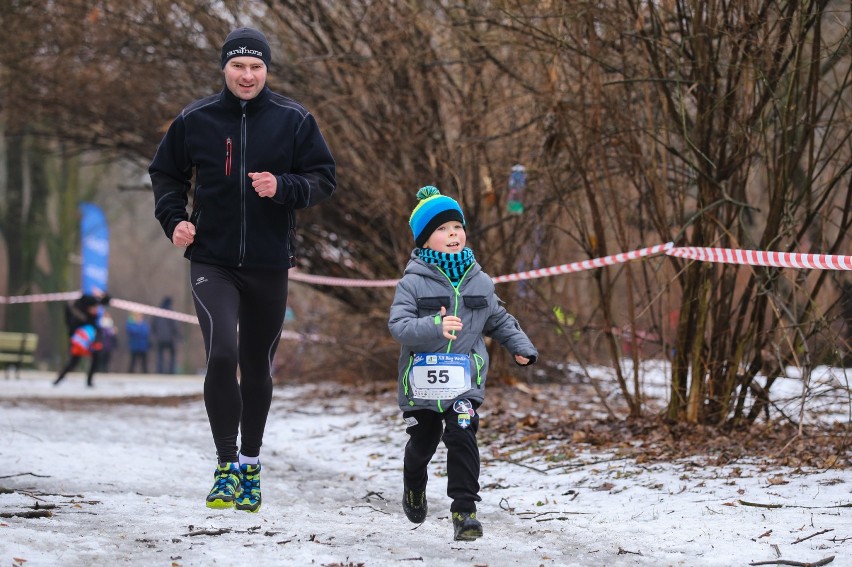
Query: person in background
pixel 138 341
pixel 166 334
pixel 443 308
pixel 255 157
pixel 84 334
pixel 109 336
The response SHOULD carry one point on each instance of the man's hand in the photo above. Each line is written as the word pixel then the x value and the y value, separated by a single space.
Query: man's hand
pixel 265 184
pixel 184 234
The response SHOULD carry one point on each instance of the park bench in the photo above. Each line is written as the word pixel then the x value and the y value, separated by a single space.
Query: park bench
pixel 17 349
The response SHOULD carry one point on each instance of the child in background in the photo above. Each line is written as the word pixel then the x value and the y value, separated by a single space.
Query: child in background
pixel 138 341
pixel 165 333
pixel 109 339
pixel 84 334
pixel 443 307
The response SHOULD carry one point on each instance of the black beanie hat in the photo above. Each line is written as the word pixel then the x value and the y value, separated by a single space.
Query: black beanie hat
pixel 246 42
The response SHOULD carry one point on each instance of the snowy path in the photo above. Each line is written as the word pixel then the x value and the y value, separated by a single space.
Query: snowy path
pixel 126 482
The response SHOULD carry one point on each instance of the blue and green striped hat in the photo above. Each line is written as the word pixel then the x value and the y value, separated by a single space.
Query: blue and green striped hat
pixel 432 211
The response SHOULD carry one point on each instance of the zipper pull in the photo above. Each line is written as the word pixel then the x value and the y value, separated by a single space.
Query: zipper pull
pixel 228 153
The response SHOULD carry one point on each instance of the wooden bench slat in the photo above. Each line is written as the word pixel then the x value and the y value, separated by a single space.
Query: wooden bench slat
pixel 17 349
pixel 22 359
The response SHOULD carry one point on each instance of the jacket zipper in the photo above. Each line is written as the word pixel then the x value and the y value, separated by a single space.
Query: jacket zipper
pixel 228 150
pixel 243 176
pixel 456 292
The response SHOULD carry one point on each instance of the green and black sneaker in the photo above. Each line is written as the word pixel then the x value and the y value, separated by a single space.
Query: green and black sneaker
pixel 248 496
pixel 466 527
pixel 226 481
pixel 414 505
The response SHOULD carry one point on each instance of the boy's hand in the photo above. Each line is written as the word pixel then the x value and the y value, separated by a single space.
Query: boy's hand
pixel 523 361
pixel 450 324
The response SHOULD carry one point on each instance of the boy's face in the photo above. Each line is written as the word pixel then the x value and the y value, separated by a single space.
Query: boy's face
pixel 448 238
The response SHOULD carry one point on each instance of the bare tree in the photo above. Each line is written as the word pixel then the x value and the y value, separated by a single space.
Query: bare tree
pixel 709 124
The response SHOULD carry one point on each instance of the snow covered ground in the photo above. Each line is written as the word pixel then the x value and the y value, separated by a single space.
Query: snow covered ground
pixel 117 475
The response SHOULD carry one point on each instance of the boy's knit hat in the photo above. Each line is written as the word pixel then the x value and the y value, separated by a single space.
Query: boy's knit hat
pixel 246 42
pixel 432 211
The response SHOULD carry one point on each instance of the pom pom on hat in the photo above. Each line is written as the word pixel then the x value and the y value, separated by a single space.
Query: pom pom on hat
pixel 428 191
pixel 433 210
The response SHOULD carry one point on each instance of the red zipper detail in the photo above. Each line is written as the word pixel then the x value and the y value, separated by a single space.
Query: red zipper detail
pixel 228 154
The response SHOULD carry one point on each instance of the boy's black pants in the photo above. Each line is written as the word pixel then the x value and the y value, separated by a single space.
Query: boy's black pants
pixel 462 455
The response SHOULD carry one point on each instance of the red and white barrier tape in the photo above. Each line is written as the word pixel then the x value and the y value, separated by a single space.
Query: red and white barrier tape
pixel 723 255
pixel 40 298
pixel 295 275
pixel 150 310
pixel 133 306
pixel 585 264
pixel 159 312
pixel 764 258
pixel 298 276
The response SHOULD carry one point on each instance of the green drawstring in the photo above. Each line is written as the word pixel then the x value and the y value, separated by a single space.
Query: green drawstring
pixel 480 362
pixel 405 380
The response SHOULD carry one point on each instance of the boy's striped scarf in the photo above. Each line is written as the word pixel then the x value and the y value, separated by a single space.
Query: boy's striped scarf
pixel 454 265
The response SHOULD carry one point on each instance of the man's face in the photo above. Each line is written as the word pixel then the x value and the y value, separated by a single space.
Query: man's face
pixel 245 76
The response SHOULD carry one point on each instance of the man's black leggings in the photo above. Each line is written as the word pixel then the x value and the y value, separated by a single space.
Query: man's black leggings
pixel 241 313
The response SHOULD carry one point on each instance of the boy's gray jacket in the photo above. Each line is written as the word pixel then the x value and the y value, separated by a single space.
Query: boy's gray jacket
pixel 417 301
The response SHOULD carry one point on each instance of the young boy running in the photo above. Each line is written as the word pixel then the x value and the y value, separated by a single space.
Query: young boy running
pixel 443 308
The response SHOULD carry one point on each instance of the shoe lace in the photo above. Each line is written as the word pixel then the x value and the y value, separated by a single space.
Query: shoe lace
pixel 250 483
pixel 222 480
pixel 416 498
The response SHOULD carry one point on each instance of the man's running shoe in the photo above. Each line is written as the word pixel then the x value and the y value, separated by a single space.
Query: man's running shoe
pixel 414 505
pixel 225 484
pixel 466 527
pixel 248 496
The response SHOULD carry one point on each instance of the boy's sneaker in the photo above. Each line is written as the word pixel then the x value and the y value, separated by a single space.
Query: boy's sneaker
pixel 225 484
pixel 414 505
pixel 248 495
pixel 465 526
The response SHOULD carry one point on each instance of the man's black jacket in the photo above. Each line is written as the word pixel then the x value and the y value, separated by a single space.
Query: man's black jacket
pixel 218 141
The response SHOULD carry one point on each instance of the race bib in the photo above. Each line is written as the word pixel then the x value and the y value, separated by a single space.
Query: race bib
pixel 439 376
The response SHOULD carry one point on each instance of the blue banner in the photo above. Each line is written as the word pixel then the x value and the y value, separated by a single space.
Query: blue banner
pixel 94 238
